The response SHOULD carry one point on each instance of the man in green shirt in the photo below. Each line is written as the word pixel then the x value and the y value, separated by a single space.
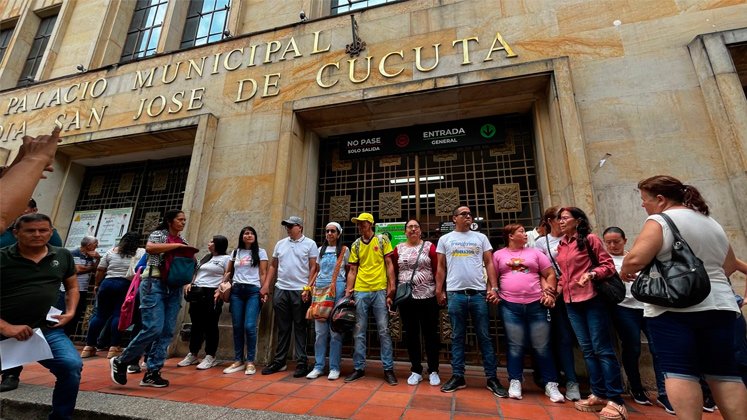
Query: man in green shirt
pixel 30 275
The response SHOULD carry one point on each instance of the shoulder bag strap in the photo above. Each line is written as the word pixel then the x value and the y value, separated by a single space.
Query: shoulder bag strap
pixel 336 272
pixel 592 255
pixel 552 259
pixel 672 227
pixel 415 266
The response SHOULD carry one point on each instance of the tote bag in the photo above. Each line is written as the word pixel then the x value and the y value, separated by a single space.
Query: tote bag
pixel 127 312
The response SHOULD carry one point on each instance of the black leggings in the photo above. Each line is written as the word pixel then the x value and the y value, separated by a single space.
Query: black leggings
pixel 420 316
pixel 204 314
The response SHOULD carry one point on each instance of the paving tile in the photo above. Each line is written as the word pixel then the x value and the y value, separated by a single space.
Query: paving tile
pixel 420 414
pixel 280 388
pixel 472 416
pixel 256 401
pixel 331 408
pixel 137 391
pixel 402 388
pixel 389 399
pixel 432 402
pixel 378 412
pixel 314 391
pixel 476 405
pixel 219 398
pixel 181 395
pixel 428 390
pixel 247 385
pixel 217 383
pixel 568 412
pixel 351 395
pixel 294 405
pixel 517 410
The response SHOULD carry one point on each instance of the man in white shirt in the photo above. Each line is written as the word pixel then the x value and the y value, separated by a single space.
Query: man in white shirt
pixel 462 254
pixel 294 262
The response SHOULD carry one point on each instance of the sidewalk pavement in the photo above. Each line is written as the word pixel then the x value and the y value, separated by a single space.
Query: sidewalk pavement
pixel 210 394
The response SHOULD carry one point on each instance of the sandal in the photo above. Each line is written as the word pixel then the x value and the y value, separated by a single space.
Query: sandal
pixel 591 404
pixel 88 351
pixel 113 352
pixel 613 411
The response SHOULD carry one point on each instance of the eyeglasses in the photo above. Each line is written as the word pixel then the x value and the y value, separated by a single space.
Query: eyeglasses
pixel 566 218
pixel 413 227
pixel 330 231
pixel 465 214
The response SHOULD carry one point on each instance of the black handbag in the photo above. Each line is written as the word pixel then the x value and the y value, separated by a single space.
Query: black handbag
pixel 611 289
pixel 404 289
pixel 678 283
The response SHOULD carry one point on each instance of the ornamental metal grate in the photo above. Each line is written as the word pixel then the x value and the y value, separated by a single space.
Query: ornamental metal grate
pixel 499 184
pixel 149 187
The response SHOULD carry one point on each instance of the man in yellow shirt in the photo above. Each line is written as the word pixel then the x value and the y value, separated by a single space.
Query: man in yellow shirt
pixel 371 282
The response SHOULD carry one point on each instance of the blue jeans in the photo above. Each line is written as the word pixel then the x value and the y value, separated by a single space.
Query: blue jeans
pixel 629 323
pixel 377 302
pixel 590 320
pixel 66 366
pixel 159 307
pixel 523 321
pixel 109 299
pixel 563 340
pixel 462 306
pixel 245 305
pixel 325 335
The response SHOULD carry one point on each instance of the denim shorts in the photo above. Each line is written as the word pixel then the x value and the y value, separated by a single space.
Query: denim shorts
pixel 691 344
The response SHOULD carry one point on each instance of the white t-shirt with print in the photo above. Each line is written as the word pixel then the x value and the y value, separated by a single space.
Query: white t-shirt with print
pixel 211 273
pixel 464 263
pixel 243 271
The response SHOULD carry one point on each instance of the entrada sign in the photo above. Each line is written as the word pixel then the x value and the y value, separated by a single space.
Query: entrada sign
pixel 418 138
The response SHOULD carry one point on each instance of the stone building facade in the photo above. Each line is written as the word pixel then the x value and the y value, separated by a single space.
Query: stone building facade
pixel 326 108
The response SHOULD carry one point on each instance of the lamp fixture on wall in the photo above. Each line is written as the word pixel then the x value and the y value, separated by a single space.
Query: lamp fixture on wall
pixel 303 16
pixel 81 68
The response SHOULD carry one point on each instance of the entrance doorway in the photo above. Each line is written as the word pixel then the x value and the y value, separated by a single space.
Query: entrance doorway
pixel 497 181
pixel 147 188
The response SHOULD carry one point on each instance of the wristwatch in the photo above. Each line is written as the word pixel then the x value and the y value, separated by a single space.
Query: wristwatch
pixel 593 274
pixel 495 289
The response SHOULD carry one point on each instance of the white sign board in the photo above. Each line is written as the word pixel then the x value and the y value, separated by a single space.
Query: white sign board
pixel 114 224
pixel 84 224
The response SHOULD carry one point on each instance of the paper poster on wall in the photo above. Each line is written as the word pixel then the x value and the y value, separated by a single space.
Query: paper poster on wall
pixel 396 231
pixel 114 224
pixel 84 224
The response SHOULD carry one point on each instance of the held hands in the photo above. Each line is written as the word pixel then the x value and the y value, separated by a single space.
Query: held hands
pixel 305 295
pixel 586 277
pixel 492 297
pixel 19 332
pixel 188 287
pixel 264 294
pixel 441 297
pixel 62 319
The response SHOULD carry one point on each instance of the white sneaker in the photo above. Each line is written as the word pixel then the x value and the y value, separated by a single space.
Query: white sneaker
pixel 551 390
pixel 314 373
pixel 208 362
pixel 414 379
pixel 333 374
pixel 235 367
pixel 189 359
pixel 572 392
pixel 434 379
pixel 514 389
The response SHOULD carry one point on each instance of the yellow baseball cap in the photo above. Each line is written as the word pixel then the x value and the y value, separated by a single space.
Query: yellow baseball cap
pixel 363 217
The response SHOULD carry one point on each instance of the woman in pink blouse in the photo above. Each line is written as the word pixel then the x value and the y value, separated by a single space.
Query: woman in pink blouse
pixel 415 261
pixel 588 313
pixel 527 289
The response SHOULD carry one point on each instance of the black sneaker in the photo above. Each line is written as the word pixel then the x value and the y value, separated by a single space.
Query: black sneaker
pixel 274 367
pixel 709 406
pixel 640 397
pixel 663 401
pixel 390 378
pixel 494 385
pixel 357 374
pixel 118 371
pixel 9 383
pixel 153 378
pixel 134 368
pixel 301 371
pixel 454 383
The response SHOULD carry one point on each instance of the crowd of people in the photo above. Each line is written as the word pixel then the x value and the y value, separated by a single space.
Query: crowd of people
pixel 547 293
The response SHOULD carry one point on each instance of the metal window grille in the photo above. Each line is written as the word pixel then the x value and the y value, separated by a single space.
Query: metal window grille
pixel 145 29
pixel 474 171
pixel 38 47
pixel 206 22
pixel 343 6
pixel 5 35
pixel 149 194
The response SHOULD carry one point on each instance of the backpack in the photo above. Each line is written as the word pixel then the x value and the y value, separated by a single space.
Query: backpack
pixel 356 247
pixel 179 264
